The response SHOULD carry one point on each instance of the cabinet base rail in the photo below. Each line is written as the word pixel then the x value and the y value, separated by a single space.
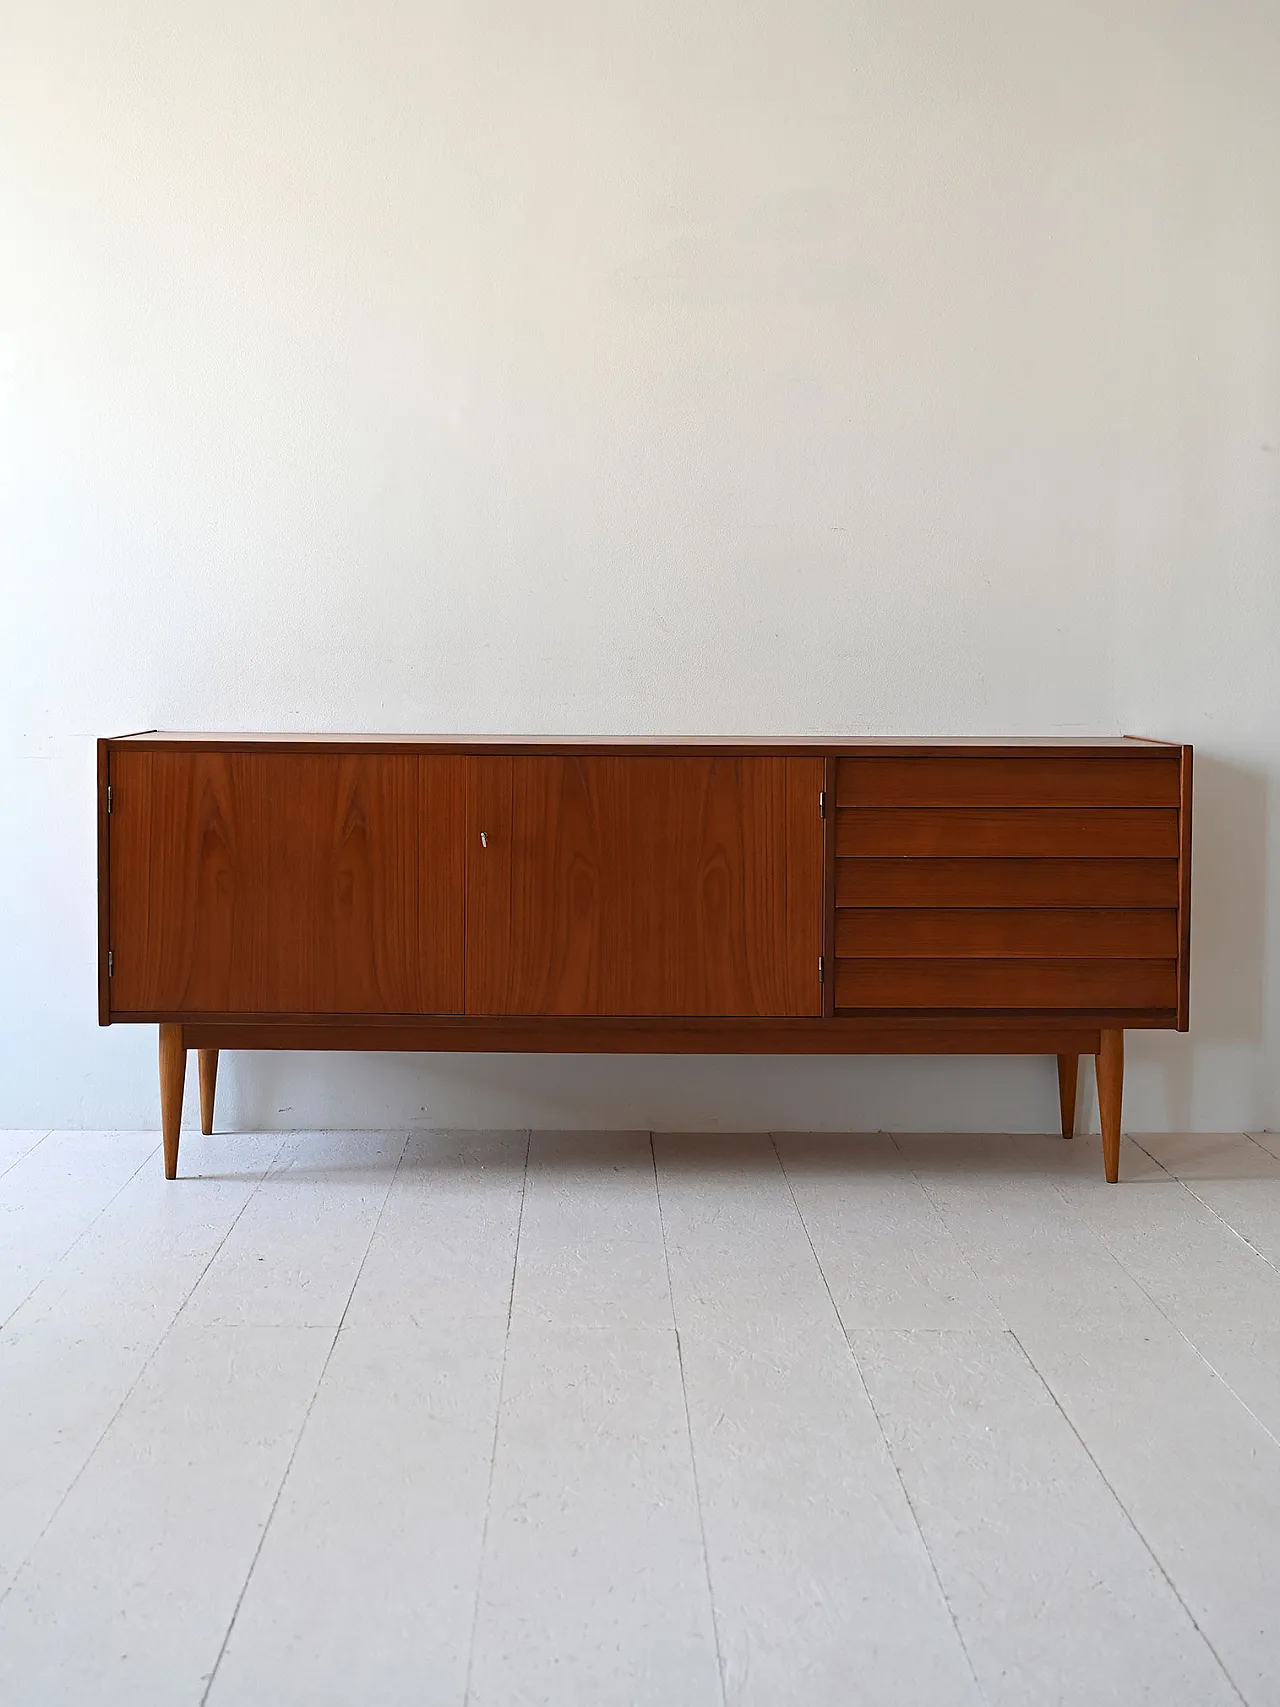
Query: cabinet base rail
pixel 1105 1043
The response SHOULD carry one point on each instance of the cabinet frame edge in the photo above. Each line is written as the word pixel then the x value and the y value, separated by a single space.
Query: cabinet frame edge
pixel 1184 889
pixel 829 887
pixel 104 884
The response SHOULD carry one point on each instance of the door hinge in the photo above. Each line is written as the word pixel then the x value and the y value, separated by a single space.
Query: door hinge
pixel 111 962
pixel 822 802
pixel 108 800
pixel 822 970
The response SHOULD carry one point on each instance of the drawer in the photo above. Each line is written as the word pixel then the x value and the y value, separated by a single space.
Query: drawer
pixel 936 780
pixel 1002 832
pixel 1007 883
pixel 1033 984
pixel 997 933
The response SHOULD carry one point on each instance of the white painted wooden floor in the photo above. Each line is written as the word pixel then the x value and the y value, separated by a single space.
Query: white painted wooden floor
pixel 507 1419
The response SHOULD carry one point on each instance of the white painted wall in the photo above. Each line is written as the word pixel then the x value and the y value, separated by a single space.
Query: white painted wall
pixel 837 365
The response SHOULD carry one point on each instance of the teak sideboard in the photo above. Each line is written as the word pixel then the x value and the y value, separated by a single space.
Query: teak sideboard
pixel 761 897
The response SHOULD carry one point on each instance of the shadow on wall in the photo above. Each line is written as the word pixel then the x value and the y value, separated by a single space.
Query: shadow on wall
pixel 1228 934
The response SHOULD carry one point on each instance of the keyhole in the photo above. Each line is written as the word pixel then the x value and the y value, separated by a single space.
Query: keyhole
pixel 484 840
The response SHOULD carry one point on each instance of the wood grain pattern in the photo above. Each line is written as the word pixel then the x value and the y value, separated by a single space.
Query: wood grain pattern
pixel 1080 933
pixel 1084 985
pixel 1006 883
pixel 1184 893
pixel 634 896
pixel 1110 1071
pixel 1007 832
pixel 574 746
pixel 959 1034
pixel 104 883
pixel 639 886
pixel 258 883
pixel 1147 778
pixel 173 1080
pixel 829 888
pixel 1068 1084
pixel 208 1065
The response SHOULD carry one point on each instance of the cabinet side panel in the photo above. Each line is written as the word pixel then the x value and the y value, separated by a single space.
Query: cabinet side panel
pixel 1184 893
pixel 104 884
pixel 260 883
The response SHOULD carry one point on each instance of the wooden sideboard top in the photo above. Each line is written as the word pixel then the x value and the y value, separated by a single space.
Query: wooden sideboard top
pixel 760 745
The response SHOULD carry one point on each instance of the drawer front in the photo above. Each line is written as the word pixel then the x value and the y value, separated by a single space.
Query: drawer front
pixel 936 780
pixel 1002 984
pixel 1000 933
pixel 1006 832
pixel 1007 883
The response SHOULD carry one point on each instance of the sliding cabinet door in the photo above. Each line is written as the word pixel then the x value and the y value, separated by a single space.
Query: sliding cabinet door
pixel 285 883
pixel 640 885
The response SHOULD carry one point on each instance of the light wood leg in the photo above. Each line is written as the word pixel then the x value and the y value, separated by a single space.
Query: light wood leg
pixel 1068 1079
pixel 208 1060
pixel 1110 1092
pixel 173 1078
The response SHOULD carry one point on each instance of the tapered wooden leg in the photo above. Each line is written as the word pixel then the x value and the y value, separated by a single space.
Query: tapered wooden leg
pixel 173 1078
pixel 208 1060
pixel 1110 1091
pixel 1068 1079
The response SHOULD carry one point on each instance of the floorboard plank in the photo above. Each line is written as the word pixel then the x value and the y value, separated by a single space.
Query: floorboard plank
pixel 885 1251
pixel 445 1242
pixel 295 1254
pixel 365 1588
pixel 1180 1249
pixel 817 1567
pixel 73 1350
pixel 1058 1597
pixel 1039 1262
pixel 52 1194
pixel 1197 1473
pixel 15 1144
pixel 593 1586
pixel 128 1595
pixel 591 1429
pixel 1231 1175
